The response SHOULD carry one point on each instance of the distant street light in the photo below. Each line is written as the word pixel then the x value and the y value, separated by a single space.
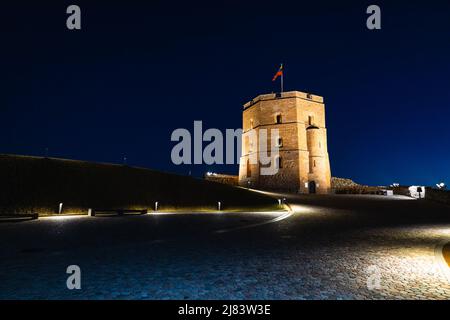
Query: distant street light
pixel 441 186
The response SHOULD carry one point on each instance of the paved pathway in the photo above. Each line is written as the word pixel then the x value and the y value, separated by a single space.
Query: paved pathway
pixel 328 249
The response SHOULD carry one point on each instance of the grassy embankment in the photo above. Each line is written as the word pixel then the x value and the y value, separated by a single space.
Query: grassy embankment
pixel 33 184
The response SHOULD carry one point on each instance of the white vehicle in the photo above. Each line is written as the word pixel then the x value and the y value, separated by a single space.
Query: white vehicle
pixel 417 192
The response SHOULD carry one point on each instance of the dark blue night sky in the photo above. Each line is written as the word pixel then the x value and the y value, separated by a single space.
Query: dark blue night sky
pixel 138 70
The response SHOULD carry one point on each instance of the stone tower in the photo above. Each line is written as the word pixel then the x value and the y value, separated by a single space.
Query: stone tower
pixel 302 161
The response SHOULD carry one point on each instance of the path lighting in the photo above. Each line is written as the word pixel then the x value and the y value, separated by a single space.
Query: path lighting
pixel 60 208
pixel 279 202
pixel 219 204
pixel 156 205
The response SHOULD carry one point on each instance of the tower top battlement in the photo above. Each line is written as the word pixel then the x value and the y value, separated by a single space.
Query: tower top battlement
pixel 284 95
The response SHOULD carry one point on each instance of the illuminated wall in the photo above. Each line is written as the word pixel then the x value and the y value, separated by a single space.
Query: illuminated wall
pixel 302 140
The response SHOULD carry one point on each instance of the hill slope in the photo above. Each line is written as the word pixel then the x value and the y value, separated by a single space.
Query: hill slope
pixel 33 184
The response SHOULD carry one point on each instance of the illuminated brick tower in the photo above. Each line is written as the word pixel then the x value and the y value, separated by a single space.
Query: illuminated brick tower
pixel 303 163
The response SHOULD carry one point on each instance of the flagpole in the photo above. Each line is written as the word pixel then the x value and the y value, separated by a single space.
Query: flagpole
pixel 282 82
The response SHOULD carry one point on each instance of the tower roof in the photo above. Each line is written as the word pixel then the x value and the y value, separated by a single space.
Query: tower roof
pixel 285 95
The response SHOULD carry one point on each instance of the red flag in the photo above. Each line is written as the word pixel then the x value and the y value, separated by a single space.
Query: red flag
pixel 279 73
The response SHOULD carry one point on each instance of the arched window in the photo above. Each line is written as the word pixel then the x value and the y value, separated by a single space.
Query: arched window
pixel 310 120
pixel 278 118
pixel 279 142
